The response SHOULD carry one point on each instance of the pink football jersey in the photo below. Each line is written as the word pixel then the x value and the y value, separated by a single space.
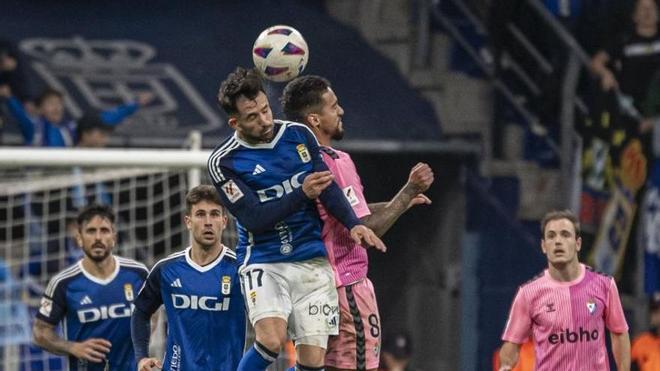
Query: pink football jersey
pixel 348 259
pixel 567 320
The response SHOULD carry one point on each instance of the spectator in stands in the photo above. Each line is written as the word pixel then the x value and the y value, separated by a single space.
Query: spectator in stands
pixel 51 128
pixel 628 63
pixel 11 70
pixel 646 346
pixel 397 352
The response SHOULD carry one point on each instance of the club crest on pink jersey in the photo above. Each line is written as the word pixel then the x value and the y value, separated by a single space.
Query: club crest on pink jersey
pixel 591 306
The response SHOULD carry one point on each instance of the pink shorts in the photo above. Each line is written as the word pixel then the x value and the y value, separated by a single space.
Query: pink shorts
pixel 357 347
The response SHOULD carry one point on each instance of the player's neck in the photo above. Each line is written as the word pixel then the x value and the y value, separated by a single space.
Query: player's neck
pixel 102 269
pixel 565 272
pixel 202 256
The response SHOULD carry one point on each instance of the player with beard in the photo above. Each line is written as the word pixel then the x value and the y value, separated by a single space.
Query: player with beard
pixel 311 101
pixel 200 289
pixel 92 299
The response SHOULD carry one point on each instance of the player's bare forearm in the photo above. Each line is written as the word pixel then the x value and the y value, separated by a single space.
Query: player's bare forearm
pixel 43 335
pixel 385 214
pixel 509 355
pixel 621 350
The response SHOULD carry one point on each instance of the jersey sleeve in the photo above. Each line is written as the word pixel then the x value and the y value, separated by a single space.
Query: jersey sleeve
pixel 53 303
pixel 26 124
pixel 519 324
pixel 332 198
pixel 615 320
pixel 117 114
pixel 351 188
pixel 149 298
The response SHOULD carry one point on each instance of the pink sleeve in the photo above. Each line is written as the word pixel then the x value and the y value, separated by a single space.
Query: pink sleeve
pixel 350 183
pixel 615 320
pixel 519 325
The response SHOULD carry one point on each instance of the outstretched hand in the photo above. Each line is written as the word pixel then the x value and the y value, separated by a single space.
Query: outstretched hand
pixel 366 237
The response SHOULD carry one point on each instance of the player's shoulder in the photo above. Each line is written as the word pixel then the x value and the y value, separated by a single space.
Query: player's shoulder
pixel 62 278
pixel 296 128
pixel 533 281
pixel 591 270
pixel 169 260
pixel 224 149
pixel 230 255
pixel 132 265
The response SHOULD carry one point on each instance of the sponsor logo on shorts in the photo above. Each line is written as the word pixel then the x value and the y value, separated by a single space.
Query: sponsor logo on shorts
pixel 323 309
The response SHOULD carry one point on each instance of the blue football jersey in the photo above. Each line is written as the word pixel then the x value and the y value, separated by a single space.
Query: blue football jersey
pixel 264 173
pixel 89 307
pixel 205 311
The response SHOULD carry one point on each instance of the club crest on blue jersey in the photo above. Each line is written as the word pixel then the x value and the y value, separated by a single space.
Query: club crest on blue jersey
pixel 303 153
pixel 225 287
pixel 591 306
pixel 128 291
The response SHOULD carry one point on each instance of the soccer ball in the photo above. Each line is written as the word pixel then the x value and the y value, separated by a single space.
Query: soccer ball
pixel 280 53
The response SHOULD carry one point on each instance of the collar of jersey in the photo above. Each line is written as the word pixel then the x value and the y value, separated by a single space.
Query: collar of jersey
pixel 208 266
pixel 580 277
pixel 269 145
pixel 98 280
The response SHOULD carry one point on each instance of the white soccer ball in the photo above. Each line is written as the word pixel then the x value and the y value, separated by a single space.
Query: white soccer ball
pixel 280 53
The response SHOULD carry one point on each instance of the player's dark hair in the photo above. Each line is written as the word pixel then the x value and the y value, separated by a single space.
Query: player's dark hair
pixel 302 96
pixel 48 93
pixel 557 215
pixel 90 211
pixel 241 82
pixel 200 193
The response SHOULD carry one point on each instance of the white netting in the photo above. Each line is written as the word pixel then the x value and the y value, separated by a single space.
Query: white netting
pixel 37 221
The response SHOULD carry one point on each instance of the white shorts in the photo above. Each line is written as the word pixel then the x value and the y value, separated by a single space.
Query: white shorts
pixel 301 293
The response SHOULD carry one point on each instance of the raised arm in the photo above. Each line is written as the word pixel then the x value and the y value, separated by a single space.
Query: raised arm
pixel 44 336
pixel 17 110
pixel 385 214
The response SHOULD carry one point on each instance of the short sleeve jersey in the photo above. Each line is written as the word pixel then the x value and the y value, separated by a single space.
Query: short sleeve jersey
pixel 205 311
pixel 89 307
pixel 349 260
pixel 567 320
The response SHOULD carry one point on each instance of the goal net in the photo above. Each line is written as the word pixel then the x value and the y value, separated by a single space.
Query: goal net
pixel 38 206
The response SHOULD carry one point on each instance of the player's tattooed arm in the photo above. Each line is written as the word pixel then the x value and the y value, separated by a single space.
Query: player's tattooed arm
pixel 93 349
pixel 385 214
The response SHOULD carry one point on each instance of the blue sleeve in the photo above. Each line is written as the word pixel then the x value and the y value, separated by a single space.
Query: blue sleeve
pixel 332 197
pixel 140 332
pixel 53 308
pixel 149 298
pixel 25 122
pixel 242 202
pixel 116 115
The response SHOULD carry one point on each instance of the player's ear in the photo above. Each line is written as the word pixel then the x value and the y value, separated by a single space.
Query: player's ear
pixel 188 221
pixel 313 120
pixel 543 247
pixel 233 121
pixel 578 244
